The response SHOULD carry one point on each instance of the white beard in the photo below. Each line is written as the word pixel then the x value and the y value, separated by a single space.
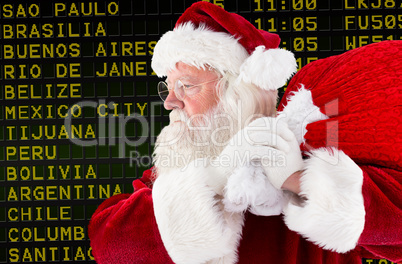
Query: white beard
pixel 188 138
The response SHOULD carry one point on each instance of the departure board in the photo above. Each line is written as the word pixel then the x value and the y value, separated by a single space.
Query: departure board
pixel 80 111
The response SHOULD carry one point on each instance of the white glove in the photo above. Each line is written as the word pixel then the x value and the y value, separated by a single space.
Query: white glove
pixel 258 142
pixel 287 158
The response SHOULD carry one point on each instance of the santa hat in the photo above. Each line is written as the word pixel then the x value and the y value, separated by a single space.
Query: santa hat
pixel 207 35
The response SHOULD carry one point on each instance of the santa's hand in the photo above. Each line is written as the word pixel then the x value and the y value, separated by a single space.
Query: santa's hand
pixel 284 157
pixel 256 142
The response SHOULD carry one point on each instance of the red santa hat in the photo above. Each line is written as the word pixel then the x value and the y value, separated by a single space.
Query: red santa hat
pixel 208 36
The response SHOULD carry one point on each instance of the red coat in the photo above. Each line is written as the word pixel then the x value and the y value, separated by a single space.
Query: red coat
pixel 124 230
pixel 354 206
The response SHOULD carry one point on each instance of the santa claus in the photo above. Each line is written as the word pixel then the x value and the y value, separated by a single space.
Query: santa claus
pixel 236 182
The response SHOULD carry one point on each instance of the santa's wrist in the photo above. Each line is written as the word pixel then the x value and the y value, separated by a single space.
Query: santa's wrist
pixel 278 175
pixel 292 183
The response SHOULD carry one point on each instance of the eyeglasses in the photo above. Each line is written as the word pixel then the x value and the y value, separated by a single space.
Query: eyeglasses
pixel 180 90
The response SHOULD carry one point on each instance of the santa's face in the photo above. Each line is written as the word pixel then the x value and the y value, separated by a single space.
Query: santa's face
pixel 200 98
pixel 198 128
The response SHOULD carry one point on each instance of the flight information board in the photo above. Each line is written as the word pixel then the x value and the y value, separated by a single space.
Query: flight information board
pixel 80 111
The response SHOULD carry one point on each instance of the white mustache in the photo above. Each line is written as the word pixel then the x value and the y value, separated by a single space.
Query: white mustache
pixel 177 115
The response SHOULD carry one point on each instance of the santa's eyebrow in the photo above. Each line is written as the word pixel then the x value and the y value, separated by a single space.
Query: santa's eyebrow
pixel 184 77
